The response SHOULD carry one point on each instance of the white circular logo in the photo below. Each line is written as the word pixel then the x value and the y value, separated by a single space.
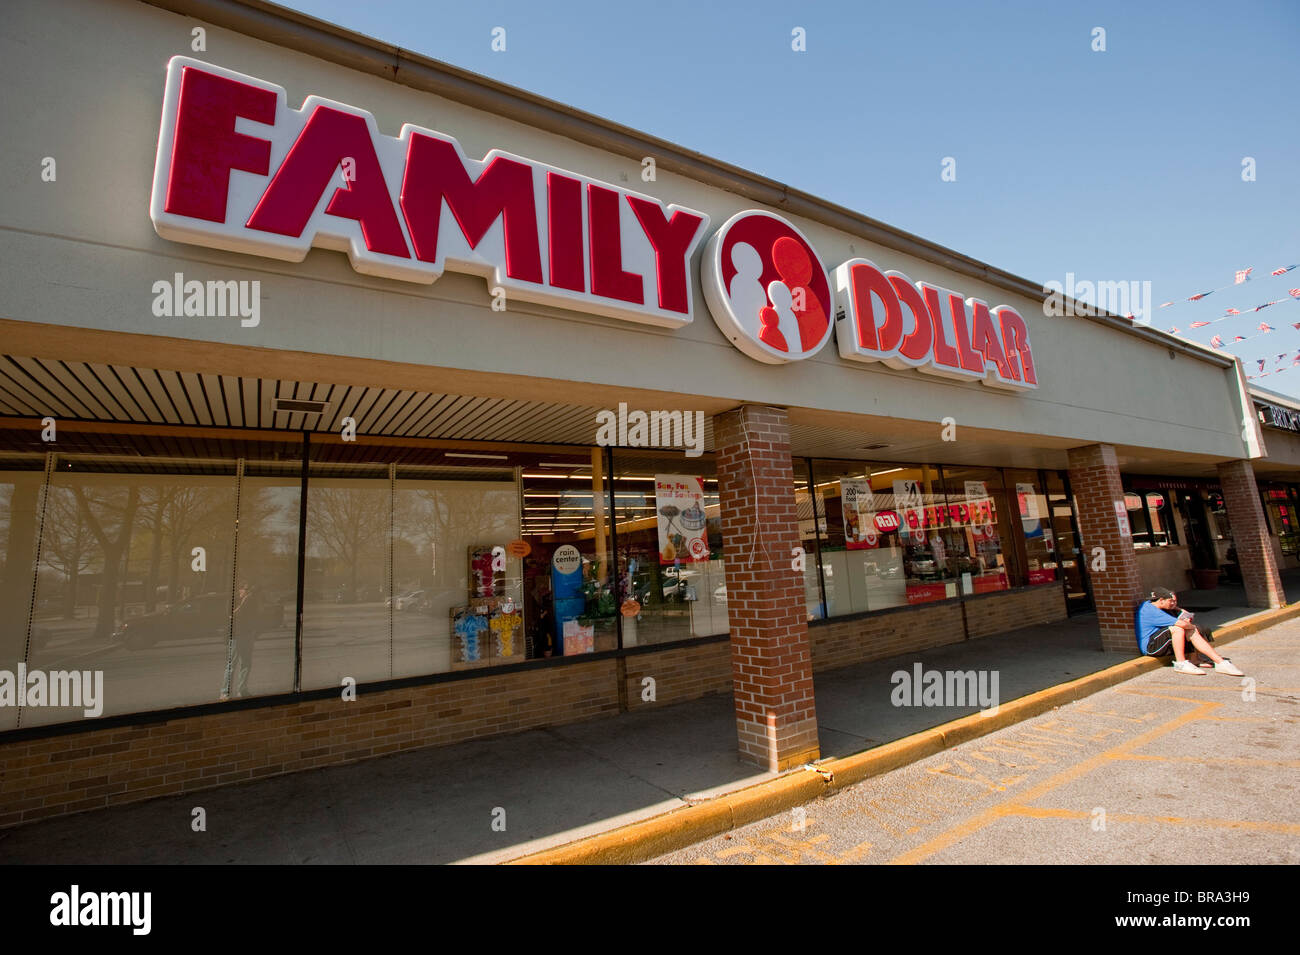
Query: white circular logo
pixel 766 288
pixel 566 559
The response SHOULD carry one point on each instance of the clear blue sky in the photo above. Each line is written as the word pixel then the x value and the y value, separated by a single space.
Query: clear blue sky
pixel 1123 165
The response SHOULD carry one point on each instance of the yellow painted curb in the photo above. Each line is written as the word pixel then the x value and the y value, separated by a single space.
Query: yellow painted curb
pixel 690 824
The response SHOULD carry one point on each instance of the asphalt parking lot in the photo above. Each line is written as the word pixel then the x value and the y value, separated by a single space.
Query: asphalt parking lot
pixel 1164 769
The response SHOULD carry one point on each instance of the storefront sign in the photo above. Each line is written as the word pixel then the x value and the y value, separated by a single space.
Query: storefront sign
pixel 566 559
pixel 1279 417
pixel 1139 483
pixel 884 316
pixel 887 521
pixel 1121 516
pixel 238 169
pixel 766 288
pixel 767 291
pixel 857 502
pixel 1028 500
pixel 908 494
pixel 950 515
pixel 683 525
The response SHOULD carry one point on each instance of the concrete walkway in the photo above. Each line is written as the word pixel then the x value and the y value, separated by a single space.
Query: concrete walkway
pixel 494 800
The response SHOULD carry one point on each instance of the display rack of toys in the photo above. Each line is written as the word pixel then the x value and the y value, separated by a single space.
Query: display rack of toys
pixel 507 626
pixel 483 581
pixel 470 629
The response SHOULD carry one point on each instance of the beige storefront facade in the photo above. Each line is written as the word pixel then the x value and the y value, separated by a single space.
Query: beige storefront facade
pixel 366 504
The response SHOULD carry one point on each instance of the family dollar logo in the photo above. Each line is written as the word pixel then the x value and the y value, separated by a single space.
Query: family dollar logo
pixel 767 289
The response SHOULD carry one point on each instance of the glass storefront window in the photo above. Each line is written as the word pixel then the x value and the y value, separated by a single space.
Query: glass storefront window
pixel 1034 522
pixel 22 477
pixel 264 628
pixel 976 523
pixel 1281 506
pixel 1159 515
pixel 176 575
pixel 810 525
pixel 1150 515
pixel 346 626
pixel 570 604
pixel 670 560
pixel 447 525
pixel 882 545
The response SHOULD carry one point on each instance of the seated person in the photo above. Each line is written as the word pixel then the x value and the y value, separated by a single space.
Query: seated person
pixel 1160 632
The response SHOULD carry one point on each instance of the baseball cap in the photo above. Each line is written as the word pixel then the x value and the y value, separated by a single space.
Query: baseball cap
pixel 1159 593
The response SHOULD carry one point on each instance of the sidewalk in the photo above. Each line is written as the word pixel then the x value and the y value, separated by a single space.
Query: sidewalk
pixel 556 785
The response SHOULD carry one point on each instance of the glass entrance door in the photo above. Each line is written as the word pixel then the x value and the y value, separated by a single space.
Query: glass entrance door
pixel 1073 560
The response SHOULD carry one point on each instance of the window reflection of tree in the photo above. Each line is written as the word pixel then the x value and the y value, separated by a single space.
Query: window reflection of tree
pixel 351 525
pixel 110 517
pixel 67 545
pixel 145 533
pixel 430 516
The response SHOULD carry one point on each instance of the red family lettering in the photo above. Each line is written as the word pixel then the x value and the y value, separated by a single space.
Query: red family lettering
pixel 238 169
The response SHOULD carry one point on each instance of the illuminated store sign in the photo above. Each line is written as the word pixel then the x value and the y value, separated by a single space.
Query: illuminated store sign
pixel 238 169
pixel 1279 417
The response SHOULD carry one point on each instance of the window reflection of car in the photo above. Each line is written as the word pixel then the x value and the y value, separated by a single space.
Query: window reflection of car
pixel 407 601
pixel 676 582
pixel 204 616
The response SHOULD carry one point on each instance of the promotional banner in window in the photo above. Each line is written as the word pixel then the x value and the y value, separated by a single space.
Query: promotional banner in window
pixel 683 534
pixel 858 502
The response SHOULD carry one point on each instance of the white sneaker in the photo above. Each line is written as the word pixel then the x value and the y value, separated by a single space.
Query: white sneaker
pixel 1183 666
pixel 1227 667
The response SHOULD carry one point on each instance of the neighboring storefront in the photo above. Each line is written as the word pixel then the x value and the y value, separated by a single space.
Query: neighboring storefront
pixel 1279 471
pixel 322 434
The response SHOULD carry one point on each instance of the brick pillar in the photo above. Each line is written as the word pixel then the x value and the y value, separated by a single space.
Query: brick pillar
pixel 1094 480
pixel 771 665
pixel 1250 536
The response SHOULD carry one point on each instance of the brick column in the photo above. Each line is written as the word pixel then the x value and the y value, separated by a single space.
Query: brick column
pixel 1250 536
pixel 771 666
pixel 1094 480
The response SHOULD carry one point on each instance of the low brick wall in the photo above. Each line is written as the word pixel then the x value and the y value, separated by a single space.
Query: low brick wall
pixel 998 613
pixel 682 673
pixel 842 643
pixel 72 772
pixel 91 769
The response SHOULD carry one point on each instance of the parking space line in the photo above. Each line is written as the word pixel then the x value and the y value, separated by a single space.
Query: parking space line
pixel 993 813
pixel 1210 760
pixel 1231 689
pixel 1036 812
